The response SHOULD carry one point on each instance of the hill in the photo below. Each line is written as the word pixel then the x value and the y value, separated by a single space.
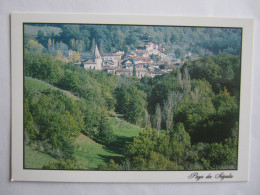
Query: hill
pixel 42 85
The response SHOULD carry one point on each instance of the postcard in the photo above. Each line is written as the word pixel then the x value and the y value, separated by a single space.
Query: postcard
pixel 128 98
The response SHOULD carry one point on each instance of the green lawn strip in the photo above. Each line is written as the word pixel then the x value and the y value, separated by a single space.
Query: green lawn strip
pixel 35 159
pixel 41 85
pixel 92 154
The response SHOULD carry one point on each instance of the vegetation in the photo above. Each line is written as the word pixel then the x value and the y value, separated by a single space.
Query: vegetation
pixel 85 119
pixel 36 159
pixel 111 38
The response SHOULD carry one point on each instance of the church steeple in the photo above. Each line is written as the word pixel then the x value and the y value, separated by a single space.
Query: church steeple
pixel 98 59
pixel 97 54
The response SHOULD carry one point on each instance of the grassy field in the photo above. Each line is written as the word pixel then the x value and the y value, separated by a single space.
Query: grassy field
pixel 36 159
pixel 41 85
pixel 33 30
pixel 123 128
pixel 93 154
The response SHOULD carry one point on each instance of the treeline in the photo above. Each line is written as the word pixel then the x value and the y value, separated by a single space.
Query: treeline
pixel 111 38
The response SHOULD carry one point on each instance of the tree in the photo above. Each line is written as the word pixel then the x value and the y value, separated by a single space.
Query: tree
pixel 105 131
pixel 64 164
pixel 134 70
pixel 40 37
pixel 49 43
pixel 170 105
pixel 131 103
pixel 30 132
pixel 80 46
pixel 58 121
pixel 62 47
pixel 72 43
pixel 93 46
pixel 178 52
pixel 70 32
pixel 186 82
pixel 42 67
pixel 70 81
pixel 158 118
pixel 132 40
pixel 194 116
pixel 59 55
pixel 74 56
pixel 147 120
pixel 34 46
pixel 180 143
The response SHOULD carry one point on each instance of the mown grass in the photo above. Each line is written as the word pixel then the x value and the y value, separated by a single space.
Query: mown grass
pixel 35 159
pixel 47 30
pixel 41 85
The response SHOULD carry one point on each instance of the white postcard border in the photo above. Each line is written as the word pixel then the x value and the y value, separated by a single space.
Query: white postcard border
pixel 20 174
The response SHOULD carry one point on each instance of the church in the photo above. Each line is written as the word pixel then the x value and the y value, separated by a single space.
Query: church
pixel 95 63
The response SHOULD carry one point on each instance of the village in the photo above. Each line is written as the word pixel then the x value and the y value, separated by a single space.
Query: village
pixel 148 60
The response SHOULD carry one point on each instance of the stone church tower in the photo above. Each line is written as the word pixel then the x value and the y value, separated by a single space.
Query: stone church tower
pixel 98 59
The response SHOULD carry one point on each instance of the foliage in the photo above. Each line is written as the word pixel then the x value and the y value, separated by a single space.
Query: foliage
pixel 193 114
pixel 42 67
pixel 221 155
pixel 201 41
pixel 147 152
pixel 64 165
pixel 35 159
pixel 57 121
pixel 34 46
pixel 74 56
pixel 131 103
pixel 105 131
pixel 220 71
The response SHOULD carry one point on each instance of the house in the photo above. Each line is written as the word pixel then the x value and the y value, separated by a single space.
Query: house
pixel 152 48
pixel 112 56
pixel 128 63
pixel 155 72
pixel 142 53
pixel 120 53
pixel 132 54
pixel 114 63
pixel 141 71
pixel 111 70
pixel 153 66
pixel 126 72
pixel 139 60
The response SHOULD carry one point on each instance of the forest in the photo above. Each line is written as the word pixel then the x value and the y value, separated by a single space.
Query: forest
pixel 187 119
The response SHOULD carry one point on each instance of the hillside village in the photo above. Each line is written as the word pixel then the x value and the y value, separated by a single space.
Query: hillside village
pixel 148 60
pixel 77 117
